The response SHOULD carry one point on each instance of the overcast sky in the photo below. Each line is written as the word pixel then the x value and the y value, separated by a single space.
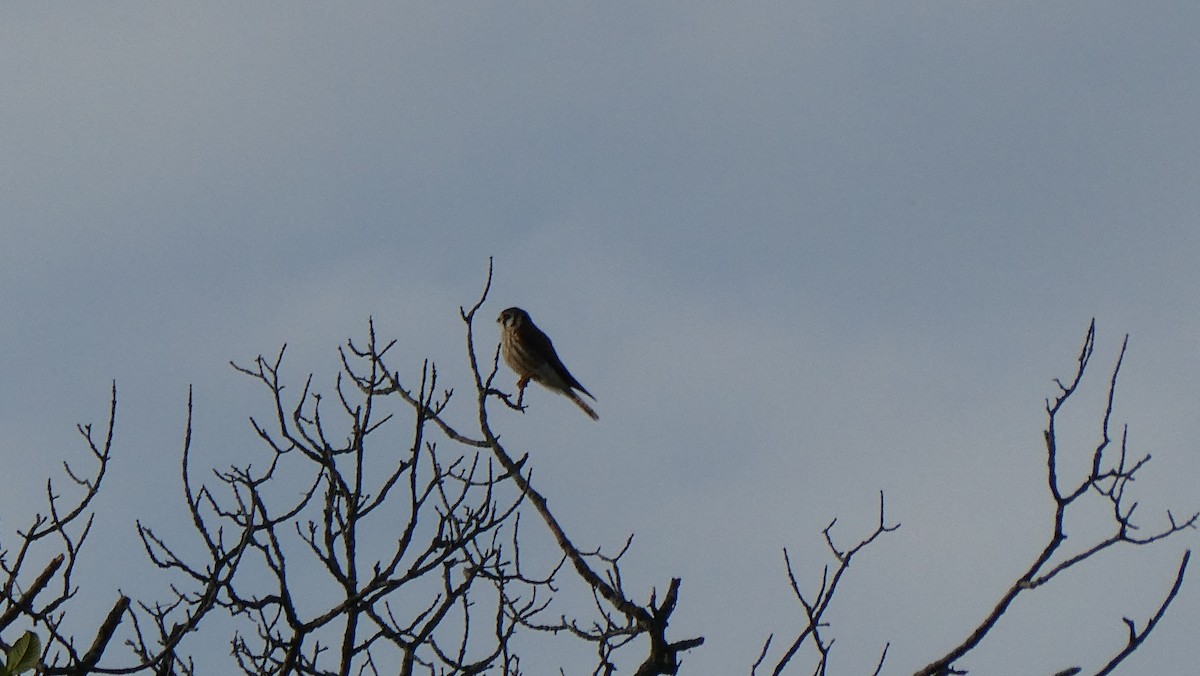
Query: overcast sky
pixel 800 252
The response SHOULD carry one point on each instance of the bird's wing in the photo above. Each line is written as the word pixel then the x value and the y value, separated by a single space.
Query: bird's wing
pixel 540 343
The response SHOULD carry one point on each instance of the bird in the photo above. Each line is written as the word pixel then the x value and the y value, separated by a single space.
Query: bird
pixel 530 354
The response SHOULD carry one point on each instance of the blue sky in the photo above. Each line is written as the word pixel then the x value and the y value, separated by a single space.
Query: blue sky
pixel 800 252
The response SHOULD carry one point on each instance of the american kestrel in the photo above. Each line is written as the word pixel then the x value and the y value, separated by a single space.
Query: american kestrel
pixel 530 354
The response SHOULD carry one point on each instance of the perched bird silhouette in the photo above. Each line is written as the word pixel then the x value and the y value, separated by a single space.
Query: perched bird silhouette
pixel 530 354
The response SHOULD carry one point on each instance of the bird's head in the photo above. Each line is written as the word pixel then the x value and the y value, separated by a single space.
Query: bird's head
pixel 513 317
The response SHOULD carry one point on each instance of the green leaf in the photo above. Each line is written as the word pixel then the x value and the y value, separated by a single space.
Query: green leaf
pixel 23 656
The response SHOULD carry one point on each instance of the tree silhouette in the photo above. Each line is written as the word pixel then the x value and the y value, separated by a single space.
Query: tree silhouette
pixel 1111 471
pixel 375 533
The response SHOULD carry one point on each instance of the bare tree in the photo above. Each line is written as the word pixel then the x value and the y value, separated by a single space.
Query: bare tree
pixel 373 532
pixel 449 590
pixel 1110 472
pixel 50 546
pixel 350 546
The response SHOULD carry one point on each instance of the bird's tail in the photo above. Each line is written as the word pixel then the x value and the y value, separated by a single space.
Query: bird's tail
pixel 581 404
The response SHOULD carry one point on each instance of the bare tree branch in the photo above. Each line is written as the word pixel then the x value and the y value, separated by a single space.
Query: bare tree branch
pixel 1107 478
pixel 817 604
